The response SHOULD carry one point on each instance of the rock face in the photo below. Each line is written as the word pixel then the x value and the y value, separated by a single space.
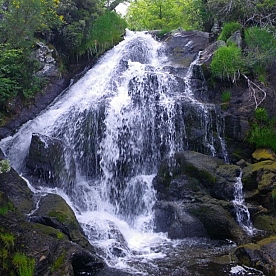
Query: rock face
pixel 190 193
pixel 54 245
pixel 194 199
pixel 51 161
pixel 48 66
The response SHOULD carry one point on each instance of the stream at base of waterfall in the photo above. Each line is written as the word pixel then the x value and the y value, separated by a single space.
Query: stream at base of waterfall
pixel 120 120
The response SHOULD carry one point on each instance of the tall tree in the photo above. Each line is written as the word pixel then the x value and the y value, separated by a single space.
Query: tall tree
pixel 164 14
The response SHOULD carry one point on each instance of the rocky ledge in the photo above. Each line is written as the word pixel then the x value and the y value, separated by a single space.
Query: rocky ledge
pixel 195 199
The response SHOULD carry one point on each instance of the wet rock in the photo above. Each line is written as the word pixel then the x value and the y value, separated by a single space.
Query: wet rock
pixel 83 262
pixel 261 255
pixel 188 188
pixel 53 211
pixel 183 46
pixel 51 161
pixel 210 172
pixel 226 177
pixel 52 251
pixel 17 190
pixel 171 217
pixel 217 220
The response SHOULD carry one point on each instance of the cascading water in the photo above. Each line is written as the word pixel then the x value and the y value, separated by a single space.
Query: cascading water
pixel 242 212
pixel 119 121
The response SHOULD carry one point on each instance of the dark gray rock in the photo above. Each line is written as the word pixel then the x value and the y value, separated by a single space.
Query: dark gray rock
pixel 260 255
pixel 171 217
pixel 183 46
pixel 53 211
pixel 51 161
pixel 17 190
pixel 48 64
pixel 54 250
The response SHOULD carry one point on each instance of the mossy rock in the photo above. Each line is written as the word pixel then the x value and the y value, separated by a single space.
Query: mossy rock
pixel 17 191
pixel 261 255
pixel 217 221
pixel 248 254
pixel 193 164
pixel 55 212
pixel 264 154
pixel 261 175
pixel 266 223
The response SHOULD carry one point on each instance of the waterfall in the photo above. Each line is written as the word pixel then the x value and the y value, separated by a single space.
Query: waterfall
pixel 119 121
pixel 242 212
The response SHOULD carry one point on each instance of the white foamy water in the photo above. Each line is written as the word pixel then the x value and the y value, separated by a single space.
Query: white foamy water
pixel 120 120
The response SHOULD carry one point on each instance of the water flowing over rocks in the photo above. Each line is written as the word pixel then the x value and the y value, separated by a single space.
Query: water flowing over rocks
pixel 55 241
pixel 179 132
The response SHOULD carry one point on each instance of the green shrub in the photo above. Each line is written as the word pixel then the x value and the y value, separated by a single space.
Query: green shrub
pixel 262 132
pixel 263 136
pixel 260 48
pixel 17 74
pixel 24 265
pixel 7 239
pixel 261 114
pixel 5 166
pixel 227 63
pixel 228 29
pixel 58 262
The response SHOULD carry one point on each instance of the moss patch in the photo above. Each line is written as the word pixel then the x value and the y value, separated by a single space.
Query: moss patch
pixel 58 262
pixel 265 222
pixel 264 154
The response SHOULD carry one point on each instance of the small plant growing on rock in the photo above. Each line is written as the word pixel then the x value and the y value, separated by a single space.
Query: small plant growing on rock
pixel 24 265
pixel 5 166
pixel 7 239
pixel 228 29
pixel 262 132
pixel 227 63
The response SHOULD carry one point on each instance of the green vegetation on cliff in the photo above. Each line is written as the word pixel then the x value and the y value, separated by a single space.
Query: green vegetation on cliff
pixel 70 28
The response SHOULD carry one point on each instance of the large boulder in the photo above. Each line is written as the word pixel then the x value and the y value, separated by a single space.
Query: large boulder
pixel 55 212
pixel 51 162
pixel 212 173
pixel 171 217
pixel 195 193
pixel 259 185
pixel 183 46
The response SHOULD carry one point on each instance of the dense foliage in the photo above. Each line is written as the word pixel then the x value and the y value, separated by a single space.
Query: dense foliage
pixel 227 63
pixel 165 14
pixel 263 130
pixel 71 28
pixel 105 32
